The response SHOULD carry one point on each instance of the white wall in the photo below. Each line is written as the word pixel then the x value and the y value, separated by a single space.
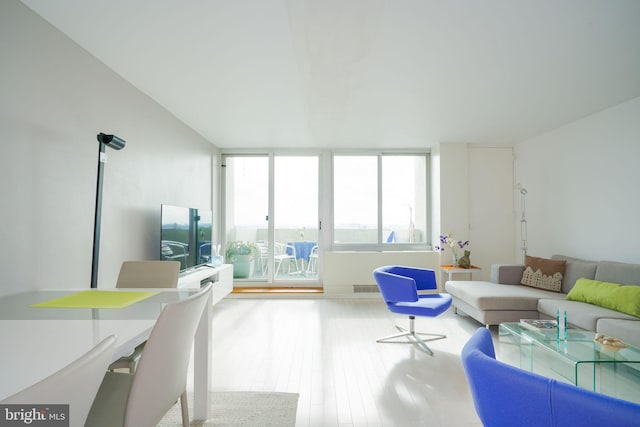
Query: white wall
pixel 582 180
pixel 54 99
pixel 476 202
pixel 454 195
pixel 341 270
pixel 491 211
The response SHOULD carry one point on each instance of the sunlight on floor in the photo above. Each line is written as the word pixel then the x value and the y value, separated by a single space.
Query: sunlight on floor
pixel 326 350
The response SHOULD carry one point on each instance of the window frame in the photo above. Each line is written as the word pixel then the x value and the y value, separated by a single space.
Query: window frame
pixel 381 245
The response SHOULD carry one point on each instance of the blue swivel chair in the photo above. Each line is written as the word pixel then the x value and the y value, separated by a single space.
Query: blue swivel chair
pixel 399 286
pixel 507 396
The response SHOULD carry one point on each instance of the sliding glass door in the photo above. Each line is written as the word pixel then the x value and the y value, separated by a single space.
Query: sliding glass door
pixel 271 218
pixel 295 218
pixel 246 207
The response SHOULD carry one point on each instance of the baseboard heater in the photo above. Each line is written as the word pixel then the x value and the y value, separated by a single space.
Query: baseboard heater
pixel 357 289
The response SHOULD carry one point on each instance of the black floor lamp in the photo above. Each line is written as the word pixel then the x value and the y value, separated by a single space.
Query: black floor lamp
pixel 117 144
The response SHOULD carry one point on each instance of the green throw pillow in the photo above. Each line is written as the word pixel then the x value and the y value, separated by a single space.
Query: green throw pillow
pixel 622 298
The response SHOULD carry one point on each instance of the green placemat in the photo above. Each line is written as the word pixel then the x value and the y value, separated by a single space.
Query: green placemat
pixel 96 299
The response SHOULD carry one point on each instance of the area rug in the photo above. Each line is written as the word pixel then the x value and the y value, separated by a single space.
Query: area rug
pixel 241 408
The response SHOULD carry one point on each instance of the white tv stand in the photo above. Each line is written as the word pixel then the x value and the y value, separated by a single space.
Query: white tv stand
pixel 222 278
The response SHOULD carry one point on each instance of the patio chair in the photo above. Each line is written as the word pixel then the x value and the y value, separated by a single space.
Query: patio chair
pixel 263 257
pixel 313 260
pixel 285 254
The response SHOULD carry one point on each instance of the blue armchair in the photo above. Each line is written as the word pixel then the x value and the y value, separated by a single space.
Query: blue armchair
pixel 508 396
pixel 399 286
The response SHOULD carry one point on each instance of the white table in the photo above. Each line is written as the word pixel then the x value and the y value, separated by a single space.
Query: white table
pixel 451 270
pixel 36 342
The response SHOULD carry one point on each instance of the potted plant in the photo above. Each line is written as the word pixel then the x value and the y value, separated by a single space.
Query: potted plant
pixel 454 244
pixel 242 255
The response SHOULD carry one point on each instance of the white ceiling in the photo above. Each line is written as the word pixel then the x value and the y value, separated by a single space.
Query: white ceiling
pixel 365 73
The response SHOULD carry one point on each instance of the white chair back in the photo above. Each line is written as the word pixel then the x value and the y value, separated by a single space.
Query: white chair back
pixel 148 274
pixel 76 384
pixel 161 376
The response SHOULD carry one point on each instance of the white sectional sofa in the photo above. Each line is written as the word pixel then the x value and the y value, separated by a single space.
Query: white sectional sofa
pixel 504 299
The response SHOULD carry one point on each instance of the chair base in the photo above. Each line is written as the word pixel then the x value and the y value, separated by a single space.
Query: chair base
pixel 412 336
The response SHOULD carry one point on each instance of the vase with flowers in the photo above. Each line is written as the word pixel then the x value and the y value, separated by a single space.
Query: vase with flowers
pixel 454 245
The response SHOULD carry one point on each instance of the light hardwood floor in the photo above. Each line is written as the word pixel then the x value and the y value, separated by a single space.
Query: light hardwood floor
pixel 325 350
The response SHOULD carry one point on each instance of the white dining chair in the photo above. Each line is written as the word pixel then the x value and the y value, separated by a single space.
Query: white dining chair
pixel 76 384
pixel 143 398
pixel 148 274
pixel 144 274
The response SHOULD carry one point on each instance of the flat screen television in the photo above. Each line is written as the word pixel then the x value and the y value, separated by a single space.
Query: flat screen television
pixel 185 235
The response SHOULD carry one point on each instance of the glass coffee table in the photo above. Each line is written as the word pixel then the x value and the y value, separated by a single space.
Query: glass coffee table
pixel 578 359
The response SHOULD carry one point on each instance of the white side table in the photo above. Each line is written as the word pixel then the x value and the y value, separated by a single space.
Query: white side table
pixel 451 270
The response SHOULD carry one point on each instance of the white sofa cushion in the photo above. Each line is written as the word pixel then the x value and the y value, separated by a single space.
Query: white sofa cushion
pixel 494 296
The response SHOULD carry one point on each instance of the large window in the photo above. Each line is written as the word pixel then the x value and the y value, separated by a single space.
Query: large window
pixel 355 199
pixel 380 200
pixel 294 207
